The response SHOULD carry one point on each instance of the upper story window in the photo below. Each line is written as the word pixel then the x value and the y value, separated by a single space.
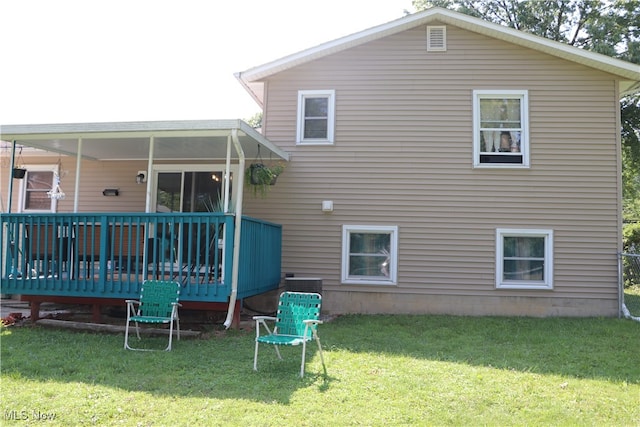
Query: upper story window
pixel 316 116
pixel 37 182
pixel 500 128
pixel 369 254
pixel 524 259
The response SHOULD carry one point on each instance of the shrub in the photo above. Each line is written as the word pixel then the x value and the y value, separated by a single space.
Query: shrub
pixel 631 237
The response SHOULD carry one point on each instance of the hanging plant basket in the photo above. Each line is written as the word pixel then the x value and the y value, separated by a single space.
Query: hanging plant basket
pixel 19 173
pixel 259 176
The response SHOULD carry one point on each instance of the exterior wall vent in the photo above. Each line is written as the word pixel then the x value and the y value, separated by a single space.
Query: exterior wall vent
pixel 436 38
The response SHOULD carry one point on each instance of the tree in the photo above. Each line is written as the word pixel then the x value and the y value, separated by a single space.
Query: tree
pixel 255 121
pixel 608 27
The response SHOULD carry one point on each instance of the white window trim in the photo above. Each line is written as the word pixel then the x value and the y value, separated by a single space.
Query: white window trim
pixel 331 96
pixel 524 138
pixel 22 198
pixel 547 283
pixel 393 254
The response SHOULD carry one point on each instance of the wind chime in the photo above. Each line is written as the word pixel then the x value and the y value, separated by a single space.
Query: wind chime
pixel 56 192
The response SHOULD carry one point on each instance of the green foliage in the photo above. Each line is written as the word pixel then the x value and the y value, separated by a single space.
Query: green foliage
pixel 610 27
pixel 255 121
pixel 630 114
pixel 260 176
pixel 382 371
pixel 631 237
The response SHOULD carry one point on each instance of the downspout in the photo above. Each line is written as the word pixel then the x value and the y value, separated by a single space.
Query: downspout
pixel 76 195
pixel 619 199
pixel 236 236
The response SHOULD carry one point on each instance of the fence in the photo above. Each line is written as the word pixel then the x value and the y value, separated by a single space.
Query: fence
pixel 630 285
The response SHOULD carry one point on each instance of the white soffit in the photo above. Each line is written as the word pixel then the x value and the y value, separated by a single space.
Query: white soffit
pixel 174 140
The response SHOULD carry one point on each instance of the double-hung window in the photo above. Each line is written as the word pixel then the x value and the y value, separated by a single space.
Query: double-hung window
pixel 37 182
pixel 369 254
pixel 500 128
pixel 524 259
pixel 316 116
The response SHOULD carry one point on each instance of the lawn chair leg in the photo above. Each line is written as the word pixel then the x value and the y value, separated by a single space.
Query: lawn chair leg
pixel 170 336
pixel 304 353
pixel 171 331
pixel 255 357
pixel 126 336
pixel 277 348
pixel 178 325
pixel 137 330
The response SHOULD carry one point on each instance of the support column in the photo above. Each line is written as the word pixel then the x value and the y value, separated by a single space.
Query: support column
pixel 76 195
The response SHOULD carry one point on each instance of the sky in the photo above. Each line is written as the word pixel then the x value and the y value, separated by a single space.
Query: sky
pixel 72 61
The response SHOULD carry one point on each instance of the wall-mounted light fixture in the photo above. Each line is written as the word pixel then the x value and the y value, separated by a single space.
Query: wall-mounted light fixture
pixel 110 192
pixel 141 178
pixel 327 206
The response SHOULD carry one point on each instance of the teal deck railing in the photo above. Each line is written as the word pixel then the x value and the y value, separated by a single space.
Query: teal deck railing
pixel 105 255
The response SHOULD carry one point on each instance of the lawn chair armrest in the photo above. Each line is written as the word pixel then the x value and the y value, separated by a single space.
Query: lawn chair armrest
pixel 312 322
pixel 132 301
pixel 262 320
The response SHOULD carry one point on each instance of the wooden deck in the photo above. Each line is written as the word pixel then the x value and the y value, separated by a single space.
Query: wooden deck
pixel 105 257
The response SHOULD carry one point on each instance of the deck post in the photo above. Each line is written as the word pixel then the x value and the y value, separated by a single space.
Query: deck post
pixel 35 310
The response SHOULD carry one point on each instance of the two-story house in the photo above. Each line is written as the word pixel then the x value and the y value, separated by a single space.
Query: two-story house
pixel 437 163
pixel 444 164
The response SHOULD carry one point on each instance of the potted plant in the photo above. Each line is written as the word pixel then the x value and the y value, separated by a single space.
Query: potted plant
pixel 260 176
pixel 19 172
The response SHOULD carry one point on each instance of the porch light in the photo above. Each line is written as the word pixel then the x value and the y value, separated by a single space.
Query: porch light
pixel 141 178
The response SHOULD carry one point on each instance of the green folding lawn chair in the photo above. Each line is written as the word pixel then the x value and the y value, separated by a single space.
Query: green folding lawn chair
pixel 158 305
pixel 296 323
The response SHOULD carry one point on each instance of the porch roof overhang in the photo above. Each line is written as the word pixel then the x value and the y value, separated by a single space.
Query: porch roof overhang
pixel 153 141
pixel 173 140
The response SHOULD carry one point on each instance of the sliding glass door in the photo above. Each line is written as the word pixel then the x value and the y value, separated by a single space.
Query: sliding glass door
pixel 190 191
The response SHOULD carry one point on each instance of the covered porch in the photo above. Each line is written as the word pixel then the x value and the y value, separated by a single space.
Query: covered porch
pixel 218 256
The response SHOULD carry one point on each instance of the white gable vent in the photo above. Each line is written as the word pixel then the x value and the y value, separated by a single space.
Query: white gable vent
pixel 436 38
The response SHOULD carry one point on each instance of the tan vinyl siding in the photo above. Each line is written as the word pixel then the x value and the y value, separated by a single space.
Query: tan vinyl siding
pixel 403 156
pixel 95 176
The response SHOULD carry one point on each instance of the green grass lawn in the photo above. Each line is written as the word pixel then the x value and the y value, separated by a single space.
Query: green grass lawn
pixel 382 371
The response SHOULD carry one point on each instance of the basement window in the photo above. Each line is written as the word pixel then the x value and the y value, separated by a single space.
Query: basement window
pixel 369 254
pixel 524 259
